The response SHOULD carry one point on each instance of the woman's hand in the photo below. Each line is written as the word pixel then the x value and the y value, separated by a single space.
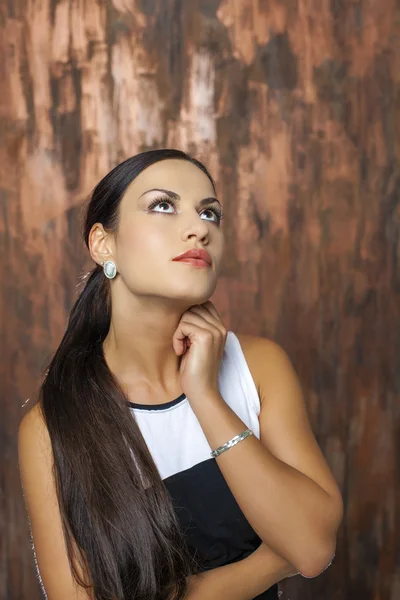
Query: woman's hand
pixel 200 340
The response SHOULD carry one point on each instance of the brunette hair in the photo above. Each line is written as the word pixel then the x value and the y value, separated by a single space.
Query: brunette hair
pixel 118 518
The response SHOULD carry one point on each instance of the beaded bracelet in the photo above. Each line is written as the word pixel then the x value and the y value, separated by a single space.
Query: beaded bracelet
pixel 235 440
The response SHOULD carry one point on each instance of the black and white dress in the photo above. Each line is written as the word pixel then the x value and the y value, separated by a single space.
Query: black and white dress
pixel 217 531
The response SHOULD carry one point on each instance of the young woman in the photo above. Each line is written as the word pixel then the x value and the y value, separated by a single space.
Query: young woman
pixel 167 457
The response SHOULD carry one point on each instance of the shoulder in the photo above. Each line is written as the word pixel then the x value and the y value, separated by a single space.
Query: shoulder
pixel 256 343
pixel 34 447
pixel 267 360
pixel 32 426
pixel 32 430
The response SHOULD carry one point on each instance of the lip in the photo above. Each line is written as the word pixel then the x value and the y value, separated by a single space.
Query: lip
pixel 195 256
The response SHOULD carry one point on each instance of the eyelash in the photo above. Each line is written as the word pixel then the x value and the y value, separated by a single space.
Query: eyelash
pixel 216 209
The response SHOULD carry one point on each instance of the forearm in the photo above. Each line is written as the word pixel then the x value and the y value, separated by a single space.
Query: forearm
pixel 288 510
pixel 243 580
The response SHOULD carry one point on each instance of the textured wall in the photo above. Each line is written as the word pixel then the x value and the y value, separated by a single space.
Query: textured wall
pixel 294 106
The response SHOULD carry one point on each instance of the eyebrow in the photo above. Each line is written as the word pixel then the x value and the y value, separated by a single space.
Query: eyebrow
pixel 177 197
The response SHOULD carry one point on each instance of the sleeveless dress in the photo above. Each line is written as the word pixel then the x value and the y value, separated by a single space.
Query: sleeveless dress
pixel 216 529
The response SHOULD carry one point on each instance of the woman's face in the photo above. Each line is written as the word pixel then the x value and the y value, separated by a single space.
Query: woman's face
pixel 148 238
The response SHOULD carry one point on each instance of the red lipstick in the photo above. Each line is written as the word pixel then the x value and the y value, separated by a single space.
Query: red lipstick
pixel 195 257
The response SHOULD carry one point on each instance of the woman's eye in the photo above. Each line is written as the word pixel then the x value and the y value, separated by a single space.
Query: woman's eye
pixel 161 202
pixel 157 203
pixel 211 211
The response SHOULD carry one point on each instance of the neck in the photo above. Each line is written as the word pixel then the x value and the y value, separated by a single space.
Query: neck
pixel 138 347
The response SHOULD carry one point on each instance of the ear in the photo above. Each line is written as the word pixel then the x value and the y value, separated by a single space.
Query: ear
pixel 101 244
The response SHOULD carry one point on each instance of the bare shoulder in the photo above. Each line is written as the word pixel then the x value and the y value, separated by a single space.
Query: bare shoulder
pixel 263 354
pixel 255 343
pixel 31 415
pixel 32 433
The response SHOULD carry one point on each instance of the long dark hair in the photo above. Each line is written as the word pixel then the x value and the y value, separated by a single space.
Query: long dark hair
pixel 118 518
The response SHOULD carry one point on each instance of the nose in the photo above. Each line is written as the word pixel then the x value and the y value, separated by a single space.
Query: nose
pixel 197 227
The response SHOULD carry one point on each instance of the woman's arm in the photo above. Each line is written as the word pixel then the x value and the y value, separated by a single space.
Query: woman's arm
pixel 38 486
pixel 281 481
pixel 242 580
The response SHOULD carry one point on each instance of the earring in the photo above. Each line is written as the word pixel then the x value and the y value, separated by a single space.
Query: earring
pixel 109 268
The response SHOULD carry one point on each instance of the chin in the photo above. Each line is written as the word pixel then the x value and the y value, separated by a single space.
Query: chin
pixel 190 297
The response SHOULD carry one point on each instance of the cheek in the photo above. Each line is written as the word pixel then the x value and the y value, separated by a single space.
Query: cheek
pixel 143 247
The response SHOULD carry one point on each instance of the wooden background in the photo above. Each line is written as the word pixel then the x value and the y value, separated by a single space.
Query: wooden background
pixel 294 106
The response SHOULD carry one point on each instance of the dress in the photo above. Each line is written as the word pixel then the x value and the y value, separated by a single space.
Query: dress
pixel 217 531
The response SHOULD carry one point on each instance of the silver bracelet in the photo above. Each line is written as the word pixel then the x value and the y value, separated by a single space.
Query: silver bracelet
pixel 235 440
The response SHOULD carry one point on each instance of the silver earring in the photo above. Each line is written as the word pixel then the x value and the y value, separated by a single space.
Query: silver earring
pixel 109 268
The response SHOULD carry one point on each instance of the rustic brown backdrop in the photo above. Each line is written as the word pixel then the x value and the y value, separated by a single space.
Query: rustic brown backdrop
pixel 294 106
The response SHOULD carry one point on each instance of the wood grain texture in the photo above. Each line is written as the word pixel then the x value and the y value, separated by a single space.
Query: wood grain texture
pixel 294 106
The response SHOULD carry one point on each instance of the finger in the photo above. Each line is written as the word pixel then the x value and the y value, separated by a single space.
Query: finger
pixel 191 330
pixel 201 320
pixel 210 306
pixel 202 312
pixel 199 309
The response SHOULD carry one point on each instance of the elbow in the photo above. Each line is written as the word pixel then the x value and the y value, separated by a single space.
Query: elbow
pixel 317 565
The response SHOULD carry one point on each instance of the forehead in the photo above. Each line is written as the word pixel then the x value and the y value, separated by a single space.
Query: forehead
pixel 180 176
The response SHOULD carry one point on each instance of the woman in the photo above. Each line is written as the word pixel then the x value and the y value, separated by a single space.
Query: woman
pixel 168 458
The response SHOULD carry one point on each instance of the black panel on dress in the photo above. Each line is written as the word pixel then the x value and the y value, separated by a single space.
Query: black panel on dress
pixel 217 532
